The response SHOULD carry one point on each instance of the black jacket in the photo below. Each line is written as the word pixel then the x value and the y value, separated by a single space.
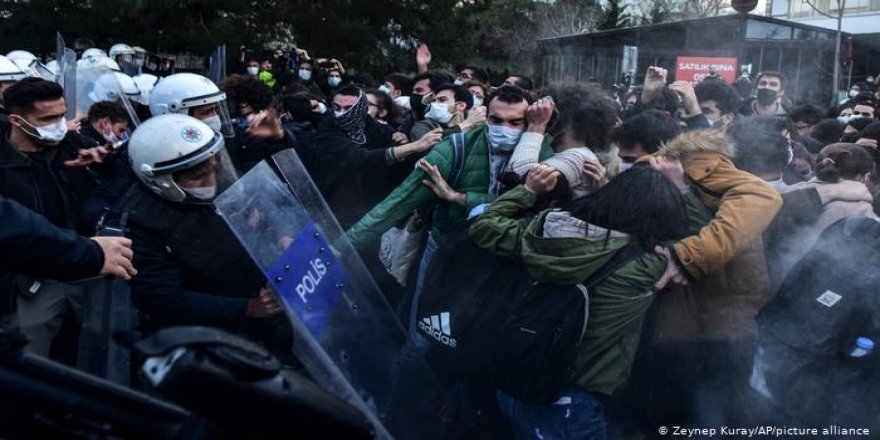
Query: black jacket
pixel 191 268
pixel 246 151
pixel 31 245
pixel 353 178
pixel 113 177
pixel 19 181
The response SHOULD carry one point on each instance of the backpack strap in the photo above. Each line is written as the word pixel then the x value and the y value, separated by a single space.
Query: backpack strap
pixel 458 156
pixel 621 258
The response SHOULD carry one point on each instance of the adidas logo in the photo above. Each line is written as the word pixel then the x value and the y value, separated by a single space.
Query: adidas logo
pixel 438 327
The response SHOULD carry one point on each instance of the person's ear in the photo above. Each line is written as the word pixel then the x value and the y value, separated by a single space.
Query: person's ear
pixel 460 107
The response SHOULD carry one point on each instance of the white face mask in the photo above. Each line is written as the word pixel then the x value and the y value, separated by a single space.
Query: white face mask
pixel 844 119
pixel 338 114
pixel 477 101
pixel 253 71
pixel 305 74
pixel 503 138
pixel 214 122
pixel 458 82
pixel 403 102
pixel 385 89
pixel 439 112
pixel 115 141
pixel 202 192
pixel 853 93
pixel 321 108
pixel 334 81
pixel 50 134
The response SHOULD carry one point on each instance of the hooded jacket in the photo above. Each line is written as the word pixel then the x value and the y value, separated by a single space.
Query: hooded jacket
pixel 559 249
pixel 728 210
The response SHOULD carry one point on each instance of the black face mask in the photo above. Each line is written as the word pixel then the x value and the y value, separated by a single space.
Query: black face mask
pixel 415 103
pixel 767 96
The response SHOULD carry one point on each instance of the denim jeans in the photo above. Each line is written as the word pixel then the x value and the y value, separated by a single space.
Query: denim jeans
pixel 577 415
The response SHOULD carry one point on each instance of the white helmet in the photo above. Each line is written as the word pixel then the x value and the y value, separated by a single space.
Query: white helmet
pixel 145 83
pixel 52 66
pixel 140 55
pixel 166 144
pixel 181 92
pixel 111 86
pixel 9 71
pixel 93 53
pixel 23 58
pixel 86 63
pixel 120 49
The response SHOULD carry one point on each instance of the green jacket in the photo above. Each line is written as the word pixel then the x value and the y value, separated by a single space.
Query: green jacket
pixel 617 305
pixel 413 194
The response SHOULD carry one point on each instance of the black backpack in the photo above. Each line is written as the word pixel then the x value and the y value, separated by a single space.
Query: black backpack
pixel 468 294
pixel 537 344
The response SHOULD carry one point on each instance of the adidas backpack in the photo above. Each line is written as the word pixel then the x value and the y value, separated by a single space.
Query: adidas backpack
pixel 468 294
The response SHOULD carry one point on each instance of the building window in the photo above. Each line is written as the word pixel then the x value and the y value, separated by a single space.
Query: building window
pixel 761 30
pixel 802 9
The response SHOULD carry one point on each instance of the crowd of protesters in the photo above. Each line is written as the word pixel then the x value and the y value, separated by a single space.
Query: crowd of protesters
pixel 722 236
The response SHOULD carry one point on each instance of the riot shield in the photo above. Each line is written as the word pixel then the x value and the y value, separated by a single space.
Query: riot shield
pixel 97 84
pixel 347 335
pixel 217 65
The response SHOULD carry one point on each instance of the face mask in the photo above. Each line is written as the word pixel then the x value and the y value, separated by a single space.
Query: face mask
pixel 458 82
pixel 844 119
pixel 338 114
pixel 403 102
pixel 625 166
pixel 214 122
pixel 305 74
pixel 48 134
pixel 253 71
pixel 321 108
pixel 477 101
pixel 415 103
pixel 385 89
pixel 334 81
pixel 807 175
pixel 853 93
pixel 115 141
pixel 503 138
pixel 439 112
pixel 202 192
pixel 767 96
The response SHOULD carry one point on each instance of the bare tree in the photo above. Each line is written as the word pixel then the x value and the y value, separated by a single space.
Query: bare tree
pixel 661 11
pixel 567 17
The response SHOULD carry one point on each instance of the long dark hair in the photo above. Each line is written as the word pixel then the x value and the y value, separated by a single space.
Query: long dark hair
pixel 641 202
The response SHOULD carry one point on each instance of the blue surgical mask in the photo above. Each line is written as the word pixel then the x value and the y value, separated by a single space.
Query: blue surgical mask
pixel 334 81
pixel 502 138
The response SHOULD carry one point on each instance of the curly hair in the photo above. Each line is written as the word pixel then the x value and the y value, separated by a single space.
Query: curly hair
pixel 245 88
pixel 586 111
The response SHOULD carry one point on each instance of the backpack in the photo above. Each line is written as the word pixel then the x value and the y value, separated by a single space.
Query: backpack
pixel 537 344
pixel 468 294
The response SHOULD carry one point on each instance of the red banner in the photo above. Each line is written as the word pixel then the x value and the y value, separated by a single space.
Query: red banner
pixel 694 69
